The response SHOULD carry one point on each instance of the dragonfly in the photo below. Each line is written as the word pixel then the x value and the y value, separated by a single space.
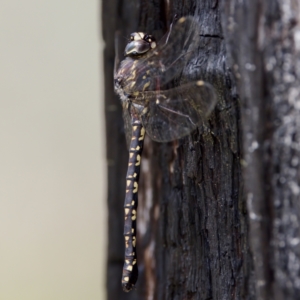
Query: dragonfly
pixel 149 106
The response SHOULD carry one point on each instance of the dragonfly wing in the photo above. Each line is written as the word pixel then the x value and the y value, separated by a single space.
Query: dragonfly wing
pixel 174 113
pixel 160 65
pixel 127 125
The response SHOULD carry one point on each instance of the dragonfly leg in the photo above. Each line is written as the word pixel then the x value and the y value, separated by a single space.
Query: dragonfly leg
pixel 117 52
pixel 171 27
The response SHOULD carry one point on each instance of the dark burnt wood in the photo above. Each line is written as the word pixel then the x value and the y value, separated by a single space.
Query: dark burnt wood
pixel 204 232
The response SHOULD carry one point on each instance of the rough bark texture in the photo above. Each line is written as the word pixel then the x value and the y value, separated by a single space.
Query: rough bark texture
pixel 263 42
pixel 203 233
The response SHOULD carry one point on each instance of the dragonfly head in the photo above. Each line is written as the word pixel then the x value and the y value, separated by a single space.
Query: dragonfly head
pixel 139 44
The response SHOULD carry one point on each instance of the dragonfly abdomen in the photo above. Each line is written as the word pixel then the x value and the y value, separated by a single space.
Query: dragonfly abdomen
pixel 130 269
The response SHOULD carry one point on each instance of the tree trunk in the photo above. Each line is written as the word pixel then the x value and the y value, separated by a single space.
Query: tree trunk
pixel 264 51
pixel 203 231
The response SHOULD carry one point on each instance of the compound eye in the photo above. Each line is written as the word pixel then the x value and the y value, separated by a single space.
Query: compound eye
pixel 131 38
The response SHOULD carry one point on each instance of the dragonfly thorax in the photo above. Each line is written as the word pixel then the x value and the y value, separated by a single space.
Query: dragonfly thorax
pixel 139 44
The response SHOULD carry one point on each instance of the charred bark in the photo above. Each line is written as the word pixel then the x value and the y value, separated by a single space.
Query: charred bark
pixel 203 232
pixel 263 47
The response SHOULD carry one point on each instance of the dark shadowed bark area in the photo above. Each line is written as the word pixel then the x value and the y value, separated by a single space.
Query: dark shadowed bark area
pixel 263 39
pixel 204 230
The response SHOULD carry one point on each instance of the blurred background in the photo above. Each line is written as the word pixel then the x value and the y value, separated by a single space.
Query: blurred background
pixel 52 151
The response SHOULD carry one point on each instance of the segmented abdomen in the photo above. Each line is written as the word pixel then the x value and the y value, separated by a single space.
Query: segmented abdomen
pixel 130 269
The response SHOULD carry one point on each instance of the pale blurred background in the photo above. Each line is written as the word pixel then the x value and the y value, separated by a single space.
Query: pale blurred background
pixel 52 151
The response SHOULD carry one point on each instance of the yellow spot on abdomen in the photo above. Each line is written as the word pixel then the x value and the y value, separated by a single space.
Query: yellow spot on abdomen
pixel 138 160
pixel 142 135
pixel 133 218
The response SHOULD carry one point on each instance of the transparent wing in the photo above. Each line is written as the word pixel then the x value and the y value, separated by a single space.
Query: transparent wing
pixel 174 113
pixel 127 125
pixel 163 63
